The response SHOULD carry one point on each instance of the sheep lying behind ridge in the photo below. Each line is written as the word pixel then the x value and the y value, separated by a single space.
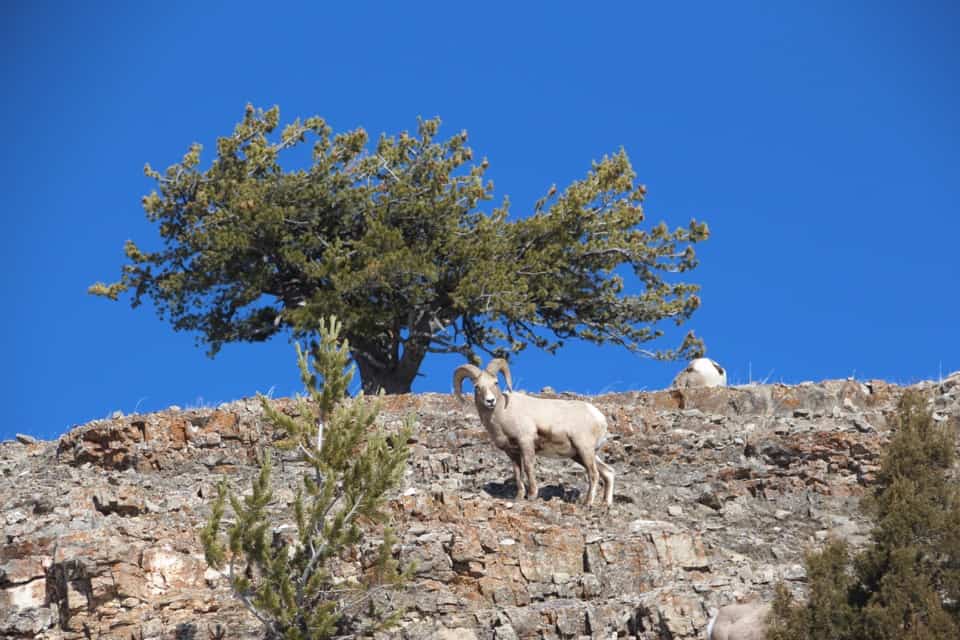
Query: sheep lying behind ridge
pixel 523 426
pixel 739 622
pixel 701 372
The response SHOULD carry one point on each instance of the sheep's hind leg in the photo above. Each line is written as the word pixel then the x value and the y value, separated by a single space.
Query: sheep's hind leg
pixel 588 459
pixel 607 473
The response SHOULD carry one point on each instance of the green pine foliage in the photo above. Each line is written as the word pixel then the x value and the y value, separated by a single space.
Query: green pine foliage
pixel 398 241
pixel 287 584
pixel 828 612
pixel 905 585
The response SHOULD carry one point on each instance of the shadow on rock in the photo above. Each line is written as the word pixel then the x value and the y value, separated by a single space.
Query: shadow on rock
pixel 506 490
pixel 502 490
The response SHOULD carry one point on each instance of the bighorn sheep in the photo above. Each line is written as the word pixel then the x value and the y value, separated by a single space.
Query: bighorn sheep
pixel 739 622
pixel 701 372
pixel 522 426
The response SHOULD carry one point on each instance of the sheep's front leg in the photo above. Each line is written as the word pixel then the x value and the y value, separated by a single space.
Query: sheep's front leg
pixel 528 461
pixel 517 461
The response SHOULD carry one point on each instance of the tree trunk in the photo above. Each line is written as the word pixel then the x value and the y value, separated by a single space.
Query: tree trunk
pixel 375 379
pixel 395 377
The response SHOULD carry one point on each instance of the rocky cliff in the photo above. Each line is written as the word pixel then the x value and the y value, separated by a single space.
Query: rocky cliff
pixel 719 492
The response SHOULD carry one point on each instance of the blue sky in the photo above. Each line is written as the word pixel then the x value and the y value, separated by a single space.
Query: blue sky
pixel 819 141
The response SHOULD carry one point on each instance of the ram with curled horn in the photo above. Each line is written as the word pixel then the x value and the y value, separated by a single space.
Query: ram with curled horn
pixel 523 427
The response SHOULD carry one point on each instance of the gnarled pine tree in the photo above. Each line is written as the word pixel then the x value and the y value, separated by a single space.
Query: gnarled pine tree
pixel 287 583
pixel 393 242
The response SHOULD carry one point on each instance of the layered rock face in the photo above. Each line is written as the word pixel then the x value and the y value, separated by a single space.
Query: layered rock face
pixel 718 494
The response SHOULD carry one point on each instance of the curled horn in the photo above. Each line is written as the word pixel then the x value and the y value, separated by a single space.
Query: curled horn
pixel 461 372
pixel 499 364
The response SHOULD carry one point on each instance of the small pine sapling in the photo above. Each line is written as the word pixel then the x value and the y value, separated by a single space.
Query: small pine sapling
pixel 289 585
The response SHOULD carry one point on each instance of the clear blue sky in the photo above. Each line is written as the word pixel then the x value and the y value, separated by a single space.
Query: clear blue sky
pixel 820 141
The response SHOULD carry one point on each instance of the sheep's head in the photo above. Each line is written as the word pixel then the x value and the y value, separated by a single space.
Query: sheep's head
pixel 486 389
pixel 701 372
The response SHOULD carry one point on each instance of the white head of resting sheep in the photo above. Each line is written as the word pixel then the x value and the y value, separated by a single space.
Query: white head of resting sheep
pixel 523 427
pixel 701 372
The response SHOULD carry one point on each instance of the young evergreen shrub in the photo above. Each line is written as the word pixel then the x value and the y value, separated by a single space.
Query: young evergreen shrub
pixel 288 585
pixel 829 612
pixel 908 577
pixel 906 585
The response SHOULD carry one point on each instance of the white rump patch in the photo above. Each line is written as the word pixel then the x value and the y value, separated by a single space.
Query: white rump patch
pixel 596 414
pixel 602 419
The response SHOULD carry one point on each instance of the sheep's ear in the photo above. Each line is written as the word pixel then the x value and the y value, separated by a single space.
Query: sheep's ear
pixel 499 364
pixel 461 372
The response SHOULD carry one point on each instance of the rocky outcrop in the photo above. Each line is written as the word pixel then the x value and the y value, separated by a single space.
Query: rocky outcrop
pixel 719 492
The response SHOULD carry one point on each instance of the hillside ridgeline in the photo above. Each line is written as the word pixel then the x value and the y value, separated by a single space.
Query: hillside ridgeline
pixel 718 493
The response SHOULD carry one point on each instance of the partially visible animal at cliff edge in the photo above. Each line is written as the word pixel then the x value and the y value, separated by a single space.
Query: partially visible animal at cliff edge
pixel 701 372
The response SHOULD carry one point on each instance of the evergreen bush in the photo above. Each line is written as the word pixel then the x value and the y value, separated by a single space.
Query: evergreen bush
pixel 288 585
pixel 906 584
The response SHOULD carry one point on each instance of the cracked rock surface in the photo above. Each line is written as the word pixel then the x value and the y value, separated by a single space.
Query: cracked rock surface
pixel 718 494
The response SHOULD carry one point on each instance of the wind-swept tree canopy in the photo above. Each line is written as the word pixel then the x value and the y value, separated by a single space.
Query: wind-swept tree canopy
pixel 394 242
